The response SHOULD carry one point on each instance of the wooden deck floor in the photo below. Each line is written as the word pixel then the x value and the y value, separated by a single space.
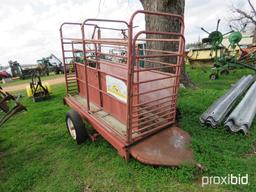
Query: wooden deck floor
pixel 103 116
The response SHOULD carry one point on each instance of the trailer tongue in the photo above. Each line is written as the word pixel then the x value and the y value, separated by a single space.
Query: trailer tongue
pixel 169 147
pixel 126 87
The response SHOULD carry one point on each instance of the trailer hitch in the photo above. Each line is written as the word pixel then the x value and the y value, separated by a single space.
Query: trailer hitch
pixel 6 100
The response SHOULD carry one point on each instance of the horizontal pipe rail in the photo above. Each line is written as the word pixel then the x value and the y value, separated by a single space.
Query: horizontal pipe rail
pixel 150 114
pixel 137 111
pixel 147 127
pixel 159 55
pixel 154 68
pixel 150 132
pixel 154 90
pixel 113 64
pixel 156 62
pixel 159 40
pixel 158 51
pixel 135 117
pixel 154 100
pixel 154 80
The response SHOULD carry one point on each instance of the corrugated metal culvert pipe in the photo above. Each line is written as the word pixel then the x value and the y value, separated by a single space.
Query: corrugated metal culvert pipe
pixel 216 113
pixel 241 118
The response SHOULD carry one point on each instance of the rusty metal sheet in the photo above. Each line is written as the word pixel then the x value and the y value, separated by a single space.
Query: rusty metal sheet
pixel 8 111
pixel 170 147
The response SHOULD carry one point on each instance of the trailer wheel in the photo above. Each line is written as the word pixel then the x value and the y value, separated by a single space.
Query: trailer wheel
pixel 76 127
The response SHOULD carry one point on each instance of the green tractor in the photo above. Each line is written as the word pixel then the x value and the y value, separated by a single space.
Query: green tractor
pixel 52 64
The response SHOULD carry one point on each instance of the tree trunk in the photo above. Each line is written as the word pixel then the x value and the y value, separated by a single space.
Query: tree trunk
pixel 154 23
pixel 254 36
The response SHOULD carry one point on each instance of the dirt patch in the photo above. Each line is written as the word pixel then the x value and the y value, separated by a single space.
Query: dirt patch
pixel 23 86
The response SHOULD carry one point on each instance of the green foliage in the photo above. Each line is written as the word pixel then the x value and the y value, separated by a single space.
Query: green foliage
pixel 37 154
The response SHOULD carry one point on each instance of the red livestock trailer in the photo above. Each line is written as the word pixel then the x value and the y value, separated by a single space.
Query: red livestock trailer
pixel 125 86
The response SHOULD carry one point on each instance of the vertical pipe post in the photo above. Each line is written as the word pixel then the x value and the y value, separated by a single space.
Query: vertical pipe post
pixel 98 47
pixel 85 69
pixel 63 56
pixel 130 83
pixel 74 65
pixel 180 61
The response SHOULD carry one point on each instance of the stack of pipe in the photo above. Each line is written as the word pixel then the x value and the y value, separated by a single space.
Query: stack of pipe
pixel 216 113
pixel 241 118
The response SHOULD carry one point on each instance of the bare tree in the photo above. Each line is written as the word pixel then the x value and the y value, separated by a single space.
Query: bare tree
pixel 245 18
pixel 165 24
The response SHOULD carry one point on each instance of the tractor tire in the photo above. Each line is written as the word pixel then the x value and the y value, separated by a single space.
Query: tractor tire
pixel 214 76
pixel 206 40
pixel 76 127
pixel 224 72
pixel 35 99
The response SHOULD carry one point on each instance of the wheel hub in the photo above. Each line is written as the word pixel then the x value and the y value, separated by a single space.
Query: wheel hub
pixel 71 128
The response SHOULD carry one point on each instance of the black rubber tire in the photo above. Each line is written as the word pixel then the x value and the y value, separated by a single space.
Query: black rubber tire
pixel 34 99
pixel 224 72
pixel 214 76
pixel 178 114
pixel 81 133
pixel 206 40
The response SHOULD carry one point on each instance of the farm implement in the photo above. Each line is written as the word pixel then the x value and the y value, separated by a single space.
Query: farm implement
pixel 27 71
pixel 9 106
pixel 37 89
pixel 128 97
pixel 231 57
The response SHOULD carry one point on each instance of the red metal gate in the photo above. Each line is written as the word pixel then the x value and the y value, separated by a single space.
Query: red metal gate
pixel 152 105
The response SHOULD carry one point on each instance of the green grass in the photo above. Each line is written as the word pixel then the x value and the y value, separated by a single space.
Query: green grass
pixel 27 80
pixel 37 154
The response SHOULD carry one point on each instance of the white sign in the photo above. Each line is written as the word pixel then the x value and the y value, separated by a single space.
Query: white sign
pixel 117 88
